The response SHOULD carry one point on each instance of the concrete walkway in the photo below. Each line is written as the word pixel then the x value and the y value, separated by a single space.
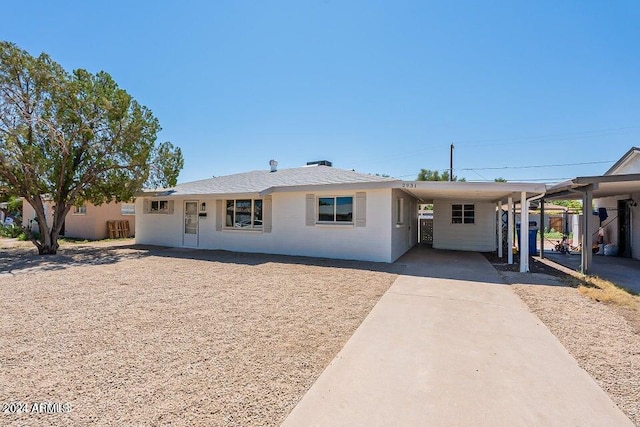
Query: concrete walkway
pixel 453 348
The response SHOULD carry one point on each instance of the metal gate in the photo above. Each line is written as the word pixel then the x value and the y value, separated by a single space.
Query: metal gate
pixel 426 230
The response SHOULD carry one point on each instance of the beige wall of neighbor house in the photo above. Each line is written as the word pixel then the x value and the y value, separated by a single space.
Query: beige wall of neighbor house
pixel 88 222
pixel 477 236
pixel 291 233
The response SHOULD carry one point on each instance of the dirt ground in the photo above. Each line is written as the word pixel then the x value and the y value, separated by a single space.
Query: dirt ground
pixel 151 336
pixel 604 339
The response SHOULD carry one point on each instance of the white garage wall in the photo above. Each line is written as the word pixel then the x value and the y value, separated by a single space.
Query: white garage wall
pixel 480 236
pixel 635 227
pixel 290 235
pixel 611 223
pixel 403 236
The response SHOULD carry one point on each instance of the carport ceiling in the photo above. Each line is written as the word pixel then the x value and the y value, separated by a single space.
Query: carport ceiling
pixel 602 186
pixel 428 191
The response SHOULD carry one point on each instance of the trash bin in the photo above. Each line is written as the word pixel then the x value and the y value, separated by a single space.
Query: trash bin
pixel 533 237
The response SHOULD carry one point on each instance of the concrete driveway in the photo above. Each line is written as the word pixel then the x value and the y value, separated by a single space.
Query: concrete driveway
pixel 450 344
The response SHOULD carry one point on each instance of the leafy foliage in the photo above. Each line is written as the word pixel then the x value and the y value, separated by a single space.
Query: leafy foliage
pixel 434 175
pixel 74 137
pixel 10 231
pixel 575 205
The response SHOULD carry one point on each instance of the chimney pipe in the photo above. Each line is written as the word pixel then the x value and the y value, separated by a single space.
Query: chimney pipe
pixel 274 165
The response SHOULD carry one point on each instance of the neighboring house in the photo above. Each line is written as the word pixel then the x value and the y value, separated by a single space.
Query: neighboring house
pixel 321 211
pixel 614 196
pixel 622 226
pixel 87 221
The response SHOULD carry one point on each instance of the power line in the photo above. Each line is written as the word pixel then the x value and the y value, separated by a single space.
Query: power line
pixel 538 166
pixel 475 170
pixel 585 133
pixel 548 138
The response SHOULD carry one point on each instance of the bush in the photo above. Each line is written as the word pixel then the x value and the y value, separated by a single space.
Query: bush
pixel 10 231
pixel 24 238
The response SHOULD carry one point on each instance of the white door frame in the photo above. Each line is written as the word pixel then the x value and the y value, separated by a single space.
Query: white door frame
pixel 190 239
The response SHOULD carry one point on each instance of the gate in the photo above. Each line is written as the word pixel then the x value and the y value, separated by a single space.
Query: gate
pixel 426 230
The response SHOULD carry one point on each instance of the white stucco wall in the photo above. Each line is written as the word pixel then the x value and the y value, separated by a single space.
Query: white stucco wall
pixel 289 236
pixel 635 227
pixel 611 223
pixel 480 236
pixel 404 235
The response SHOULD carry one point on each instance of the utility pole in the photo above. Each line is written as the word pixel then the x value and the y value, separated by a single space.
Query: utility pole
pixel 451 163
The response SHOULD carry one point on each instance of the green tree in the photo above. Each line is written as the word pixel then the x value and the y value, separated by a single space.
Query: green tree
pixel 74 137
pixel 500 180
pixel 434 175
pixel 574 205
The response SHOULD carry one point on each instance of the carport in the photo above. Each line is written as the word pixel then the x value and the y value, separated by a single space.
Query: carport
pixel 588 188
pixel 496 193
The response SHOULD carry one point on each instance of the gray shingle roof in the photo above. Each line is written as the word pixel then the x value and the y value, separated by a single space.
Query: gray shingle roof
pixel 261 180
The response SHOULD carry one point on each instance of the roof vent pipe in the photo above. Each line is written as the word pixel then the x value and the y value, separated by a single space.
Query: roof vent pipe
pixel 274 165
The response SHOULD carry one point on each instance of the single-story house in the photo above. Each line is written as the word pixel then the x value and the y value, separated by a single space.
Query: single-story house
pixel 615 197
pixel 84 222
pixel 322 211
pixel 622 225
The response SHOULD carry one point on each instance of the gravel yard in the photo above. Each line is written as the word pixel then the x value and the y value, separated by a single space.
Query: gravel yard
pixel 152 336
pixel 604 339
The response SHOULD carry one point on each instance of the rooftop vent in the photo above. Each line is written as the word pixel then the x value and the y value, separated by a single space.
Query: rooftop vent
pixel 274 165
pixel 320 163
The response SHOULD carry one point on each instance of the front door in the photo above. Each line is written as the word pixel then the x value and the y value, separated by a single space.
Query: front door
pixel 190 237
pixel 624 228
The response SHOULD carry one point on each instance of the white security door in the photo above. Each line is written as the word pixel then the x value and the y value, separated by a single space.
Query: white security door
pixel 190 237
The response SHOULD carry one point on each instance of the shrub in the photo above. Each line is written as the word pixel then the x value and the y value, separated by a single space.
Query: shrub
pixel 10 231
pixel 24 238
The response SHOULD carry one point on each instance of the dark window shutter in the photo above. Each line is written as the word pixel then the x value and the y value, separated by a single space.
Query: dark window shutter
pixel 266 214
pixel 219 215
pixel 310 210
pixel 361 209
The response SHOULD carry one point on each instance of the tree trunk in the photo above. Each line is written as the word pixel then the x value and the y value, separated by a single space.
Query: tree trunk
pixel 48 250
pixel 47 244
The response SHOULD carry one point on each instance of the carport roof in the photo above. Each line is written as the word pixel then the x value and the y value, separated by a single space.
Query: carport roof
pixel 602 186
pixel 428 191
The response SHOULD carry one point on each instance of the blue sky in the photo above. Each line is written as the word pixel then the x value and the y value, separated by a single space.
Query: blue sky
pixel 379 87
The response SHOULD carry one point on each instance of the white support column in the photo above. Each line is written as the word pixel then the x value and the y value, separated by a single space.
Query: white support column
pixel 587 255
pixel 500 229
pixel 524 233
pixel 541 228
pixel 510 230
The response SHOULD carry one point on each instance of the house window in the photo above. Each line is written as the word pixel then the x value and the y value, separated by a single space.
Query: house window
pixel 127 209
pixel 335 209
pixel 159 206
pixel 463 214
pixel 399 211
pixel 80 210
pixel 244 213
